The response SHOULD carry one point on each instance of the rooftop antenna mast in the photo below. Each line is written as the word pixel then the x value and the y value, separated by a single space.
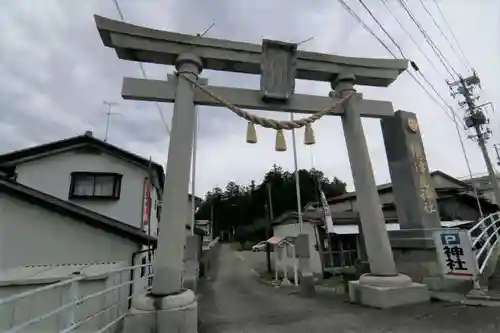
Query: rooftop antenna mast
pixel 108 116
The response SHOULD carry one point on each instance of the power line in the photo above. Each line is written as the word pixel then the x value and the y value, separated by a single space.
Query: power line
pixel 415 67
pixel 413 64
pixel 143 71
pixel 120 13
pixel 451 117
pixel 429 41
pixel 454 117
pixel 452 34
pixel 384 2
pixel 442 33
pixel 206 30
pixel 367 28
pixel 382 27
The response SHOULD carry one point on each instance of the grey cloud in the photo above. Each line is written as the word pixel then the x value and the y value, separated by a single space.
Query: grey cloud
pixel 55 73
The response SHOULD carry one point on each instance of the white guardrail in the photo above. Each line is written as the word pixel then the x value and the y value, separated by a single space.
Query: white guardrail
pixel 211 244
pixel 485 237
pixel 93 311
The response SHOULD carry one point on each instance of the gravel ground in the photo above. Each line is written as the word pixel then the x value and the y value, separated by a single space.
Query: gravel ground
pixel 234 302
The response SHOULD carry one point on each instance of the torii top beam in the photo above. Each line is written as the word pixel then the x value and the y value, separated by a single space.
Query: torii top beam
pixel 142 44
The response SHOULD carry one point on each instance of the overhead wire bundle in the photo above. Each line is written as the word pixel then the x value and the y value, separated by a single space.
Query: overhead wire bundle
pixel 452 72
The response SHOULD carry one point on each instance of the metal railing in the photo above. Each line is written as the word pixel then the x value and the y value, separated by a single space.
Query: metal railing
pixel 80 307
pixel 485 237
pixel 211 244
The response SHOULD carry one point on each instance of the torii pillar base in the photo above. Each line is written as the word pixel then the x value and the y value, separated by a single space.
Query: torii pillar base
pixel 387 291
pixel 163 314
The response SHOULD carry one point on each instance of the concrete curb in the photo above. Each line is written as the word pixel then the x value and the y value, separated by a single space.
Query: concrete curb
pixel 460 299
pixel 266 282
pixel 319 289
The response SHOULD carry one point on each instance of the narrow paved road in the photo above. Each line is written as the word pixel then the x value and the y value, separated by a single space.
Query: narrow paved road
pixel 234 302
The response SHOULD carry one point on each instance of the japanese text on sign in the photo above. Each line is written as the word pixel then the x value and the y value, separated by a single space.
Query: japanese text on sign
pixel 455 254
pixel 425 189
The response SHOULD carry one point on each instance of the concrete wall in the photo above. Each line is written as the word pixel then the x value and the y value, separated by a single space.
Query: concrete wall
pixel 32 235
pixel 52 175
pixel 292 230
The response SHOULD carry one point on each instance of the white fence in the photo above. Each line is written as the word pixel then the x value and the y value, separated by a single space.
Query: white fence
pixel 485 237
pixel 85 303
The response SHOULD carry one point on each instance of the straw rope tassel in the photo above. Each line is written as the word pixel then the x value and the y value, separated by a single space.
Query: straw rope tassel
pixel 309 138
pixel 251 133
pixel 280 141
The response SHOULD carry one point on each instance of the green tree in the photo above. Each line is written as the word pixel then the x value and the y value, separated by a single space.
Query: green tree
pixel 244 209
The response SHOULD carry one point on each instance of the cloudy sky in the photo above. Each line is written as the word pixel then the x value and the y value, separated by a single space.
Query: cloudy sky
pixel 55 74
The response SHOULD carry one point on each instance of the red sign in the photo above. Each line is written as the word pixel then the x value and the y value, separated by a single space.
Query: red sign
pixel 147 202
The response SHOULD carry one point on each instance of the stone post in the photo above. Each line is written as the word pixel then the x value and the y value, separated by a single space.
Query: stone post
pixel 367 200
pixel 306 285
pixel 172 238
pixel 414 193
pixel 169 307
pixel 192 262
pixel 383 287
pixel 416 204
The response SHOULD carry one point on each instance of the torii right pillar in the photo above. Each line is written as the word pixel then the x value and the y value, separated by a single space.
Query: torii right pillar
pixel 415 198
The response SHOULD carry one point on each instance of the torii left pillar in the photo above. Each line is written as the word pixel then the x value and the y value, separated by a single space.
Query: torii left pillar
pixel 172 308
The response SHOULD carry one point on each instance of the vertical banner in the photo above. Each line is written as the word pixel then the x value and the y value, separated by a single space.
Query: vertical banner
pixel 146 204
pixel 328 215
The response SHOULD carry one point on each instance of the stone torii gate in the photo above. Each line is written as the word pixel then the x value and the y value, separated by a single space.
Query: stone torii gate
pixel 279 64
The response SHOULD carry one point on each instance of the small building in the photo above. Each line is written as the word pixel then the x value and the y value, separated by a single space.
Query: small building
pixel 456 199
pixel 94 174
pixel 484 186
pixel 93 177
pixel 328 254
pixel 458 207
pixel 40 229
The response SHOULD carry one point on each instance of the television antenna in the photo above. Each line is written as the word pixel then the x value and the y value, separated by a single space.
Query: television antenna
pixel 108 116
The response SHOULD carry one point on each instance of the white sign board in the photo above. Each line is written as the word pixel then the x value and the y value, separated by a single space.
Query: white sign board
pixel 455 255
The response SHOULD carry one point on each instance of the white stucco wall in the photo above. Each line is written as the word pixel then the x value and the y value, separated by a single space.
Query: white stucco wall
pixel 292 230
pixel 33 235
pixel 52 175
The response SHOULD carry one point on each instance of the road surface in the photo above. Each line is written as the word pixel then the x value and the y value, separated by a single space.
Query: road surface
pixel 234 302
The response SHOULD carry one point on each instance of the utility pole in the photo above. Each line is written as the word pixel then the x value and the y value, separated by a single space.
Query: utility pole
pixel 108 116
pixel 476 119
pixel 268 227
